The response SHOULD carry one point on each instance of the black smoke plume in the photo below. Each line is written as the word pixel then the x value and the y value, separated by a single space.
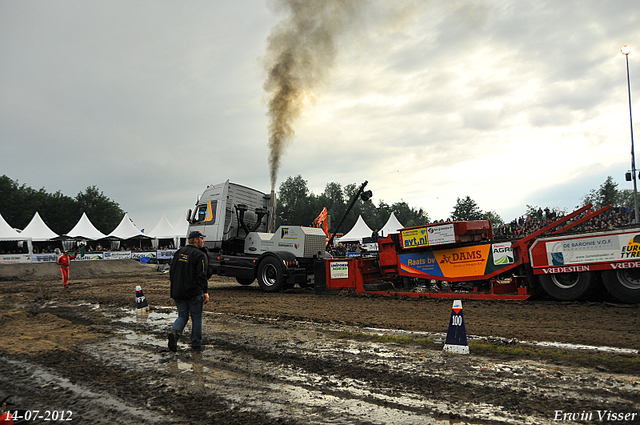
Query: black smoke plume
pixel 300 53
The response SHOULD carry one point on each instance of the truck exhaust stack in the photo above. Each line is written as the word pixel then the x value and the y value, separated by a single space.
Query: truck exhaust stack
pixel 271 225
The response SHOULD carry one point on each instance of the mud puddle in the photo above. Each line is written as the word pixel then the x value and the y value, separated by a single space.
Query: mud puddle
pixel 94 402
pixel 298 358
pixel 304 372
pixel 279 391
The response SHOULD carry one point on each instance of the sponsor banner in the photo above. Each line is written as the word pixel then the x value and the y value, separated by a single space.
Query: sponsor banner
pixel 166 254
pixel 502 254
pixel 108 255
pixel 578 268
pixel 91 256
pixel 137 255
pixel 43 258
pixel 117 255
pixel 626 265
pixel 339 269
pixel 420 262
pixel 371 247
pixel 442 234
pixel 593 250
pixel 426 236
pixel 414 238
pixel 464 261
pixel 452 263
pixel 565 269
pixel 15 258
pixel 476 260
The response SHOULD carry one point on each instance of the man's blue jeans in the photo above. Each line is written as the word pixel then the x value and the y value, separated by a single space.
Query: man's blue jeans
pixel 193 307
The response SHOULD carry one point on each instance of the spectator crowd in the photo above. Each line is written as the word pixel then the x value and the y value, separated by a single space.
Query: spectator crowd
pixel 526 225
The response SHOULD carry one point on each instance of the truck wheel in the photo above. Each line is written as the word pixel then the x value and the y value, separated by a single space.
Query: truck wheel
pixel 245 280
pixel 270 275
pixel 568 286
pixel 624 284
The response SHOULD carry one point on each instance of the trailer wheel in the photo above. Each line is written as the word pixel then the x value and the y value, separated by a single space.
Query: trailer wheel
pixel 270 275
pixel 568 286
pixel 245 281
pixel 624 284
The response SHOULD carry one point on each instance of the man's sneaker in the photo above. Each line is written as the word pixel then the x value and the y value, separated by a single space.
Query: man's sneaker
pixel 197 349
pixel 173 341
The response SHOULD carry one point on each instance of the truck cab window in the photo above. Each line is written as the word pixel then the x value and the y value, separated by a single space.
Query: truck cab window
pixel 200 214
pixel 206 212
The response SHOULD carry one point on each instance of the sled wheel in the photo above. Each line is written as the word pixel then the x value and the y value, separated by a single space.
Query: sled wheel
pixel 624 284
pixel 270 275
pixel 245 280
pixel 568 286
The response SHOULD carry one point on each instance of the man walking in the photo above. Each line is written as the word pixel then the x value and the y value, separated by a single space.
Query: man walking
pixel 188 275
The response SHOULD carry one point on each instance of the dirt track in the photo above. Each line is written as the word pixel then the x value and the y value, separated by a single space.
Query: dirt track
pixel 296 357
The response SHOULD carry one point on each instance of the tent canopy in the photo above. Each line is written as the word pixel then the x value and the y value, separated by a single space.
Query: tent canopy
pixel 358 231
pixel 84 229
pixel 163 230
pixel 37 231
pixel 126 230
pixel 8 233
pixel 392 226
pixel 182 226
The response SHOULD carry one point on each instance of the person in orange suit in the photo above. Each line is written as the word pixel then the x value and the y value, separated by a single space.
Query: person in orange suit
pixel 64 262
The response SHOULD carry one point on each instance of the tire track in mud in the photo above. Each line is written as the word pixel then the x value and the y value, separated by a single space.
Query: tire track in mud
pixel 262 369
pixel 43 389
pixel 459 382
pixel 301 372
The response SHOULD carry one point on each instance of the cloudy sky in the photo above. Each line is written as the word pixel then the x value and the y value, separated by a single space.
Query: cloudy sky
pixel 508 102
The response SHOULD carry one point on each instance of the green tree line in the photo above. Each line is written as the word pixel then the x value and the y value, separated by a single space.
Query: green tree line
pixel 297 205
pixel 18 204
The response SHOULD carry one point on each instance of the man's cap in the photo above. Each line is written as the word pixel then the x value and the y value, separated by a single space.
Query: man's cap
pixel 195 234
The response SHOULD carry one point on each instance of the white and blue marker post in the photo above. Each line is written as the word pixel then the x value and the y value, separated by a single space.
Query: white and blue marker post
pixel 142 306
pixel 456 341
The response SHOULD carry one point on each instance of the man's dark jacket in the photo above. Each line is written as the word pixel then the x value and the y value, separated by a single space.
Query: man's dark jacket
pixel 188 273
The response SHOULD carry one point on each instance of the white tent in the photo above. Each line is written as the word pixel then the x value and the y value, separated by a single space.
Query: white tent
pixel 37 231
pixel 163 230
pixel 127 230
pixel 358 231
pixel 391 226
pixel 84 229
pixel 8 233
pixel 182 226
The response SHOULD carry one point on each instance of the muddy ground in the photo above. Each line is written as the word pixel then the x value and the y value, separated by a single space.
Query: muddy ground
pixel 85 354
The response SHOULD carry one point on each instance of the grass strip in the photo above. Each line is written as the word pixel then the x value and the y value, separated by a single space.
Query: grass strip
pixel 610 362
